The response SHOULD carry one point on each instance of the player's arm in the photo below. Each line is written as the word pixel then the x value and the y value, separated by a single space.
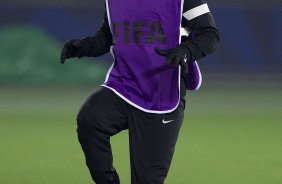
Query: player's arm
pixel 197 19
pixel 102 41
pixel 91 46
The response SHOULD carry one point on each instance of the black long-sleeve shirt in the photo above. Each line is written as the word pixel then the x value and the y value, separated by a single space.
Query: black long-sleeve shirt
pixel 196 18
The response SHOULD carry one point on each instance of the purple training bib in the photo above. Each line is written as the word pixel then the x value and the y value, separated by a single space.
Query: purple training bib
pixel 139 75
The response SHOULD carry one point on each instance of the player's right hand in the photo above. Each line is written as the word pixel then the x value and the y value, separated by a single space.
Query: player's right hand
pixel 74 48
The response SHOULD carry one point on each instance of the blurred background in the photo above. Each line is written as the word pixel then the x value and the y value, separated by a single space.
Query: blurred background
pixel 232 130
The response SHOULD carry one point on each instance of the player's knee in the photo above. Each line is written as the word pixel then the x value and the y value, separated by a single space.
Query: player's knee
pixel 81 118
pixel 84 118
pixel 88 118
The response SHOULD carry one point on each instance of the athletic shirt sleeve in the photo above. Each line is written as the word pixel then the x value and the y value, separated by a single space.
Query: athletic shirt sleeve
pixel 102 41
pixel 198 19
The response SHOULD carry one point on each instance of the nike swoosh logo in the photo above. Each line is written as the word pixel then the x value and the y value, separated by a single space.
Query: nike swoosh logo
pixel 185 58
pixel 165 122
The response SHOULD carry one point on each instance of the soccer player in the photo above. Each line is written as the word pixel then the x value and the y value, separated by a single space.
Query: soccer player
pixel 144 91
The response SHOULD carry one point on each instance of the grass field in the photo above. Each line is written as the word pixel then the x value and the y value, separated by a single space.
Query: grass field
pixel 229 136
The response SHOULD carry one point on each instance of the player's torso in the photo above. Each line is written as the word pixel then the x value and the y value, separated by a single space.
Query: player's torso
pixel 145 22
pixel 139 74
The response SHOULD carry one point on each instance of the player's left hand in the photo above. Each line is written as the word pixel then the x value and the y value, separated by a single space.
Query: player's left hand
pixel 176 56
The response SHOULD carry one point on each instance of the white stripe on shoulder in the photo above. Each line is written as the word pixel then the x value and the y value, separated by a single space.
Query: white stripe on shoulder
pixel 197 11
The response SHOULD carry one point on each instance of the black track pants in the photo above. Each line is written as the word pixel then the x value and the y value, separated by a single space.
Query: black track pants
pixel 152 138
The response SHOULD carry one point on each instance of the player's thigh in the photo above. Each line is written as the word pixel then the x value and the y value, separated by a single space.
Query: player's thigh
pixel 103 111
pixel 152 140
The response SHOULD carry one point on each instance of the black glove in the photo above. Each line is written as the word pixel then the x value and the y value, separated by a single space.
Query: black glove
pixel 74 48
pixel 176 56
